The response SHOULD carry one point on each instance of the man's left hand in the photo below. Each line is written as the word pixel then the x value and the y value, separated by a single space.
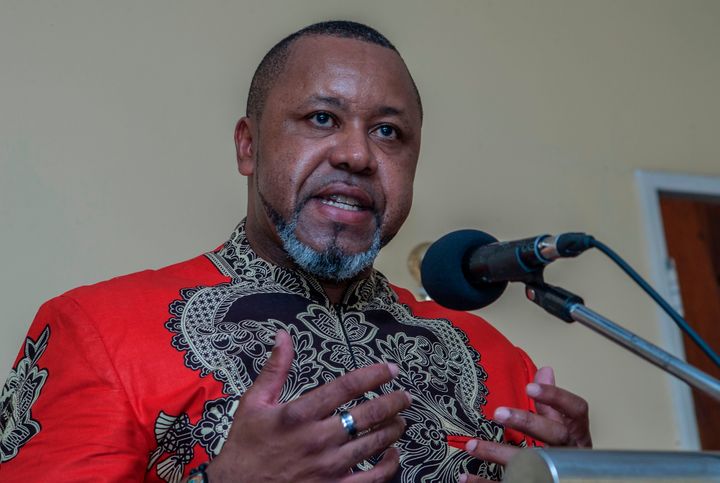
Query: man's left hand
pixel 561 420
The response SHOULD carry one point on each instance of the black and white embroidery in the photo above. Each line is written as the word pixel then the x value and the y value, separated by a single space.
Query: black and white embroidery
pixel 177 437
pixel 213 428
pixel 174 436
pixel 20 392
pixel 224 330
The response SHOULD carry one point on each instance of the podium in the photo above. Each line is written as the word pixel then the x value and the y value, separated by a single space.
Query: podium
pixel 540 465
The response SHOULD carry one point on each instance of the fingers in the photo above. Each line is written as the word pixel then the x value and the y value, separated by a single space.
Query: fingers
pixel 490 451
pixel 574 411
pixel 563 422
pixel 320 402
pixel 533 390
pixel 368 415
pixel 269 383
pixel 539 427
pixel 560 399
pixel 383 471
pixel 370 444
pixel 545 375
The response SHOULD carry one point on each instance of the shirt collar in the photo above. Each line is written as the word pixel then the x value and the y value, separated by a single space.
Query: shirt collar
pixel 236 259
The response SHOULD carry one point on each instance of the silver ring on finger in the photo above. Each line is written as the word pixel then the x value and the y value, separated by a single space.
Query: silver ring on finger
pixel 348 423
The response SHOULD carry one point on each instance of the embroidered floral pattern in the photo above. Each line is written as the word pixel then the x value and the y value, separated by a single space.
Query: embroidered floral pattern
pixel 174 435
pixel 20 392
pixel 212 430
pixel 224 330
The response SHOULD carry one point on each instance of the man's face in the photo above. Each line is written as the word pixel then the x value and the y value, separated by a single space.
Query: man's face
pixel 335 149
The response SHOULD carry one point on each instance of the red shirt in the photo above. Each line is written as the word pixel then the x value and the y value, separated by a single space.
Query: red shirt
pixel 137 378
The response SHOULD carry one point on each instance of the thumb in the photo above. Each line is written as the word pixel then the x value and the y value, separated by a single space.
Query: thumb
pixel 269 383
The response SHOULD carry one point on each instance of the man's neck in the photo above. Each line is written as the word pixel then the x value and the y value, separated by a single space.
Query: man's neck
pixel 335 291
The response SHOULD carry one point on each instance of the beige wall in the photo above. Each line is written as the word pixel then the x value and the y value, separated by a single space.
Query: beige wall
pixel 116 149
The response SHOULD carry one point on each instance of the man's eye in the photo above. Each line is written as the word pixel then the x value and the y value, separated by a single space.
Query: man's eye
pixel 322 119
pixel 387 132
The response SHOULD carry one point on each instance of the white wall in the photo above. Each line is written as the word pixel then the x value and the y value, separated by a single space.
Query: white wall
pixel 116 151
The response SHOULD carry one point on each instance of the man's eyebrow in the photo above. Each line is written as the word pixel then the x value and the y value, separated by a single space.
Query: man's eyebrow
pixel 333 101
pixel 341 104
pixel 390 111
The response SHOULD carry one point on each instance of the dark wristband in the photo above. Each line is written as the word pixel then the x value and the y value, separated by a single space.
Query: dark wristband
pixel 198 475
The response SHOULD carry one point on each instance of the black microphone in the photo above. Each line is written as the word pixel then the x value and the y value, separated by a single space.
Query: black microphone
pixel 470 269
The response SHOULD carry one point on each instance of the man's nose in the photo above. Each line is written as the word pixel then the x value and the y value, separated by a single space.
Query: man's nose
pixel 353 151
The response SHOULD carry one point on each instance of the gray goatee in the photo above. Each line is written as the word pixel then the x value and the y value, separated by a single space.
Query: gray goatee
pixel 332 263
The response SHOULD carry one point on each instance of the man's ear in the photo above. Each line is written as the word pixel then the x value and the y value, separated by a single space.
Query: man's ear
pixel 244 146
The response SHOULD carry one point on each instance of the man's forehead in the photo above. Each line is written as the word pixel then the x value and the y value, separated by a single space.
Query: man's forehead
pixel 325 55
pixel 318 59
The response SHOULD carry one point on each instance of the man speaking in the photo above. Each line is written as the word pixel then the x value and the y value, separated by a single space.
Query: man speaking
pixel 283 355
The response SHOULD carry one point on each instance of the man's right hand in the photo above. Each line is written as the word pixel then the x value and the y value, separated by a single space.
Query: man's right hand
pixel 303 440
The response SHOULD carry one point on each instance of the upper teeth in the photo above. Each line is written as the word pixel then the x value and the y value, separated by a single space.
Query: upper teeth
pixel 341 201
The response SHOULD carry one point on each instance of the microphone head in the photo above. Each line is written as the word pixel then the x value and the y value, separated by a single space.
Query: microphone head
pixel 443 272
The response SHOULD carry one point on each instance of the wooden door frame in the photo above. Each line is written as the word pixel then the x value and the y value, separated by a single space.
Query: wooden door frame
pixel 650 184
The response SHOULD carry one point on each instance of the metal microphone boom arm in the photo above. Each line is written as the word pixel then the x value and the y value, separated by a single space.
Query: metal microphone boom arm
pixel 569 307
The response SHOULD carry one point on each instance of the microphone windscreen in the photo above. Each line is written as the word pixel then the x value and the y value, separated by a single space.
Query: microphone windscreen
pixel 443 272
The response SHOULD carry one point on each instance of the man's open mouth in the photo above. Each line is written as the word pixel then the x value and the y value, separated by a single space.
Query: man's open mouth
pixel 343 202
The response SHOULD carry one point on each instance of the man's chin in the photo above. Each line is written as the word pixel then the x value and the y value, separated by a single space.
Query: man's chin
pixel 331 260
pixel 349 240
pixel 341 246
pixel 326 249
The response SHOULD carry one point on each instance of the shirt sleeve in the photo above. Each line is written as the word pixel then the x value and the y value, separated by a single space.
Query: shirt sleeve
pixel 65 414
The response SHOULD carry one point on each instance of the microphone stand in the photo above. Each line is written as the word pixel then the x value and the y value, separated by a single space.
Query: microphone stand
pixel 569 307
